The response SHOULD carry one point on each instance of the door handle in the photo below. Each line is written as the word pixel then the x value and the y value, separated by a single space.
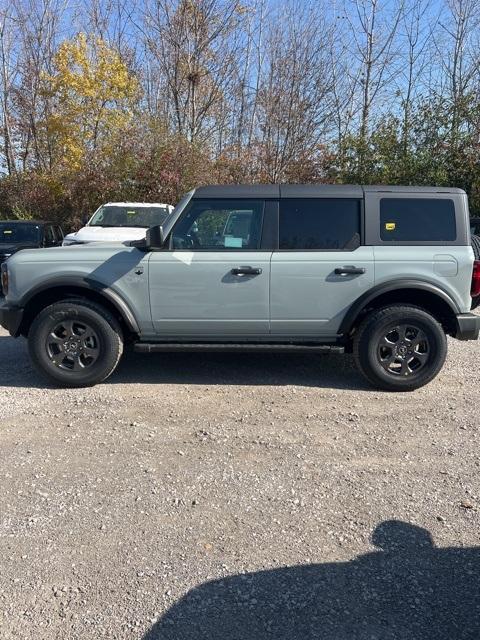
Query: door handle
pixel 349 271
pixel 246 271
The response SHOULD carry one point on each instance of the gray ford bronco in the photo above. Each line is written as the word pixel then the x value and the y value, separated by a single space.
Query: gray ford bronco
pixel 385 272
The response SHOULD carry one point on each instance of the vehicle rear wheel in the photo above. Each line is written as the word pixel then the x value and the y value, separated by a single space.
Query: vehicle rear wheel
pixel 75 343
pixel 476 252
pixel 400 348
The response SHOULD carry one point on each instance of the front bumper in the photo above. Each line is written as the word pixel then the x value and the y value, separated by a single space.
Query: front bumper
pixel 468 326
pixel 11 318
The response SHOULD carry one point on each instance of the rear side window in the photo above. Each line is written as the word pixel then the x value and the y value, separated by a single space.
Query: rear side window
pixel 417 220
pixel 49 236
pixel 322 224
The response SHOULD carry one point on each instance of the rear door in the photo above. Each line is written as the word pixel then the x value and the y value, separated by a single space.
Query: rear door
pixel 321 266
pixel 213 281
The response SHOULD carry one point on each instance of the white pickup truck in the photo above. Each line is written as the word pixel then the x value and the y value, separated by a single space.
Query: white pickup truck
pixel 120 222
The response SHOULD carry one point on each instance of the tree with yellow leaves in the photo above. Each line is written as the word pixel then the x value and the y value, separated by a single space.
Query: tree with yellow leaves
pixel 90 96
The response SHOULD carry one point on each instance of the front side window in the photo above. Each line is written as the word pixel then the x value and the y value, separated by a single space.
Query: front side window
pixel 18 232
pixel 219 225
pixel 321 224
pixel 129 216
pixel 417 220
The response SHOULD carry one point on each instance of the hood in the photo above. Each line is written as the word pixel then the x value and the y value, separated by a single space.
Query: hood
pixel 91 252
pixel 107 234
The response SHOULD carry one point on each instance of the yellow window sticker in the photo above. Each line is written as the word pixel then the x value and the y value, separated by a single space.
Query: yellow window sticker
pixel 390 226
pixel 131 213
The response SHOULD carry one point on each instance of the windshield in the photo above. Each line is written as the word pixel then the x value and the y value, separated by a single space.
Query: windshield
pixel 18 232
pixel 126 216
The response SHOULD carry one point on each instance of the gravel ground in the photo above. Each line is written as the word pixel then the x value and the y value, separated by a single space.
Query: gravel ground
pixel 239 497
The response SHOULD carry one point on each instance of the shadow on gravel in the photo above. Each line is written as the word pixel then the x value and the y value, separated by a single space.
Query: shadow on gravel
pixel 15 367
pixel 312 370
pixel 408 590
pixel 329 371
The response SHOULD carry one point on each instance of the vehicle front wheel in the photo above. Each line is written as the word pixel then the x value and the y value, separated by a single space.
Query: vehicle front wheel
pixel 75 343
pixel 400 348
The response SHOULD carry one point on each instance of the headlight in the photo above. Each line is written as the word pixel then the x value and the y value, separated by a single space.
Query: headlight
pixel 4 278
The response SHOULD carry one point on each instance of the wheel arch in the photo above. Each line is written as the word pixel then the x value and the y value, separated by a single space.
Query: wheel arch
pixel 425 295
pixel 61 288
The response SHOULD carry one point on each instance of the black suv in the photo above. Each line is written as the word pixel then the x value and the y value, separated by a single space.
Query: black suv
pixel 27 234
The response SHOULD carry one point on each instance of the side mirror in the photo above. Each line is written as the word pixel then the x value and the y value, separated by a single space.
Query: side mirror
pixel 155 238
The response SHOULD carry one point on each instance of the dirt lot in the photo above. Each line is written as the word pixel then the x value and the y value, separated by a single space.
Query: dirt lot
pixel 235 497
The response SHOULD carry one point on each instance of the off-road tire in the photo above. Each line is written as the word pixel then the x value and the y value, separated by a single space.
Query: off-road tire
pixel 370 338
pixel 107 342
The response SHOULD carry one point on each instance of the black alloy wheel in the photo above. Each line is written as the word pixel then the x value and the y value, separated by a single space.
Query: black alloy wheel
pixel 73 345
pixel 403 350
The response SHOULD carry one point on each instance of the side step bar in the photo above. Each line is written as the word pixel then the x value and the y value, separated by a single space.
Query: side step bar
pixel 230 347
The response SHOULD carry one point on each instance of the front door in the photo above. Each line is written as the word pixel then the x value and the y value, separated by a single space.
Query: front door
pixel 320 267
pixel 213 281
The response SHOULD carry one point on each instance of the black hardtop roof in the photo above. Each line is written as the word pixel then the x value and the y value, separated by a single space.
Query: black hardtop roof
pixel 37 222
pixel 308 190
pixel 410 189
pixel 238 191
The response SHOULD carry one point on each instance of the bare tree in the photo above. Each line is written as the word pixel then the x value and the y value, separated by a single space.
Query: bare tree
pixel 345 82
pixel 459 56
pixel 191 45
pixel 417 26
pixel 39 28
pixel 295 96
pixel 112 21
pixel 8 72
pixel 373 31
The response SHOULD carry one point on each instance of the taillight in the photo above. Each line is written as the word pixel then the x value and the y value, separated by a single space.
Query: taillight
pixel 4 280
pixel 475 291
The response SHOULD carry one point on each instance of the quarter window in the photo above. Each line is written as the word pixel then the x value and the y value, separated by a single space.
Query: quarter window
pixel 322 224
pixel 417 220
pixel 219 225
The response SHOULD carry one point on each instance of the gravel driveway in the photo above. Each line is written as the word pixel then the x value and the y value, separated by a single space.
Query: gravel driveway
pixel 239 498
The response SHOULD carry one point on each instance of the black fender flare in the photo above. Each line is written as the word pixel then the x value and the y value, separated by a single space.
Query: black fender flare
pixel 370 295
pixel 80 282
